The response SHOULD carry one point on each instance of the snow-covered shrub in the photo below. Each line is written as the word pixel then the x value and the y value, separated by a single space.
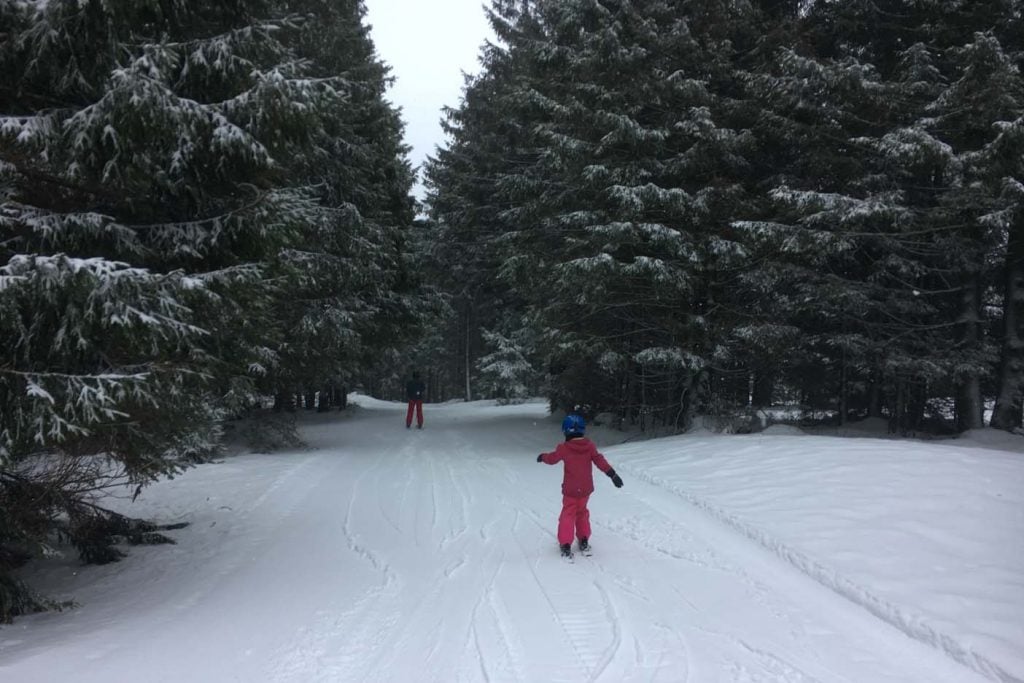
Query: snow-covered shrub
pixel 506 372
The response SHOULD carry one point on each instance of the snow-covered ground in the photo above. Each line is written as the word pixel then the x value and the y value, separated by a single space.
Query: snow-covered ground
pixel 381 554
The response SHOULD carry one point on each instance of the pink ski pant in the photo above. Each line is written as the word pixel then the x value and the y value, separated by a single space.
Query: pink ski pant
pixel 575 517
pixel 418 407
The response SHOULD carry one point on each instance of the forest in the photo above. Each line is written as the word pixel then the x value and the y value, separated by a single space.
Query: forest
pixel 659 209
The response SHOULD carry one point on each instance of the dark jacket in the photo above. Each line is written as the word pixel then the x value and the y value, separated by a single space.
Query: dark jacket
pixel 415 390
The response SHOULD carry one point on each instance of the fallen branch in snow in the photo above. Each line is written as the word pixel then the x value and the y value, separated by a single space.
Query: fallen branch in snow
pixel 43 504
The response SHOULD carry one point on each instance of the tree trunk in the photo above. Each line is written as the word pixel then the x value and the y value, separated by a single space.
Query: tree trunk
pixel 469 393
pixel 283 401
pixel 875 399
pixel 899 409
pixel 969 404
pixel 1009 409
pixel 691 397
pixel 326 398
pixel 918 399
pixel 764 387
pixel 842 392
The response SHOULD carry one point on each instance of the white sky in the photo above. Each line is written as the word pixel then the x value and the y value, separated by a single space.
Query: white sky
pixel 428 44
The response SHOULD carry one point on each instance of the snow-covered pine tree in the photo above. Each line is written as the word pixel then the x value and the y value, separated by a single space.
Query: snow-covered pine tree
pixel 979 115
pixel 828 230
pixel 984 98
pixel 353 291
pixel 884 261
pixel 613 223
pixel 750 343
pixel 484 139
pixel 97 389
pixel 1008 412
pixel 949 180
pixel 1002 164
pixel 610 176
pixel 155 214
pixel 101 364
pixel 813 129
pixel 506 370
pixel 161 145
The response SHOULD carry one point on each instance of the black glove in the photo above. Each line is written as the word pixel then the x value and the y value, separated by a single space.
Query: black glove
pixel 540 458
pixel 615 478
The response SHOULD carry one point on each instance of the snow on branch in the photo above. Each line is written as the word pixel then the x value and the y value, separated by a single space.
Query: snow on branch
pixel 627 130
pixel 1005 217
pixel 63 406
pixel 106 293
pixel 601 263
pixel 28 131
pixel 674 358
pixel 648 196
pixel 914 145
pixel 506 371
pixel 795 239
pixel 135 99
pixel 838 209
pixel 676 242
pixel 55 229
pixel 109 353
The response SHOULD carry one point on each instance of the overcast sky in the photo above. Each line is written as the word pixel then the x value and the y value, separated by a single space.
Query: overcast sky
pixel 428 44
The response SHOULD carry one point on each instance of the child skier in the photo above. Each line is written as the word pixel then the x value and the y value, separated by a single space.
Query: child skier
pixel 579 454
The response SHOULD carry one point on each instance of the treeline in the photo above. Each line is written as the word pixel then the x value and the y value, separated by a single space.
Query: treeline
pixel 667 207
pixel 205 205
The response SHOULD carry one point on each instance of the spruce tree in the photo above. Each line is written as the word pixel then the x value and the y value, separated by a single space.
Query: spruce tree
pixel 195 200
pixel 351 291
pixel 705 201
pixel 882 234
pixel 468 223
pixel 613 221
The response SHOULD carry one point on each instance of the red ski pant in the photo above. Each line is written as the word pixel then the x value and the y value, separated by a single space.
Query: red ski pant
pixel 418 407
pixel 575 516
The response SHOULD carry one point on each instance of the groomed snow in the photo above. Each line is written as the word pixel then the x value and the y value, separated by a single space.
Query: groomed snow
pixel 386 554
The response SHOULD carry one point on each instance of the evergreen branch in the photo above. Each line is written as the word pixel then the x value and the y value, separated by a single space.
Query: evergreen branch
pixel 109 377
pixel 261 196
pixel 26 98
pixel 50 179
pixel 267 27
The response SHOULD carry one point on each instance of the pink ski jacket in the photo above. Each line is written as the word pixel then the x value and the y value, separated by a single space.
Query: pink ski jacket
pixel 580 456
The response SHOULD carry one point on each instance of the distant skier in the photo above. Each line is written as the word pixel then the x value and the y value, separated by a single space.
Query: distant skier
pixel 414 392
pixel 580 455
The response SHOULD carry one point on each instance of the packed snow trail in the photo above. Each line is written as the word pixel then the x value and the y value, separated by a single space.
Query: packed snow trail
pixel 385 554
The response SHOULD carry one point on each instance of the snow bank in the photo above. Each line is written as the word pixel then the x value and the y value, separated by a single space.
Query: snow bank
pixel 925 536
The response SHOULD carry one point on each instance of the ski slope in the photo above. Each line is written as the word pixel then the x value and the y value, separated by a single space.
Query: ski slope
pixel 393 555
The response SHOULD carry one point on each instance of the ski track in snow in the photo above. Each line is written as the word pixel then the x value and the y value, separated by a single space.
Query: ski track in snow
pixel 912 625
pixel 405 555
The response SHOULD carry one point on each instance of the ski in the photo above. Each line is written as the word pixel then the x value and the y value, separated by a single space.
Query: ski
pixel 566 553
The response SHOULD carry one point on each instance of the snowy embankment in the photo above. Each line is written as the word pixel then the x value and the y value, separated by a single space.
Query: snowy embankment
pixel 927 536
pixel 381 554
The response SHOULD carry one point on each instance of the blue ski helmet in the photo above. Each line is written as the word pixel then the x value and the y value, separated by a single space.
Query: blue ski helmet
pixel 573 424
